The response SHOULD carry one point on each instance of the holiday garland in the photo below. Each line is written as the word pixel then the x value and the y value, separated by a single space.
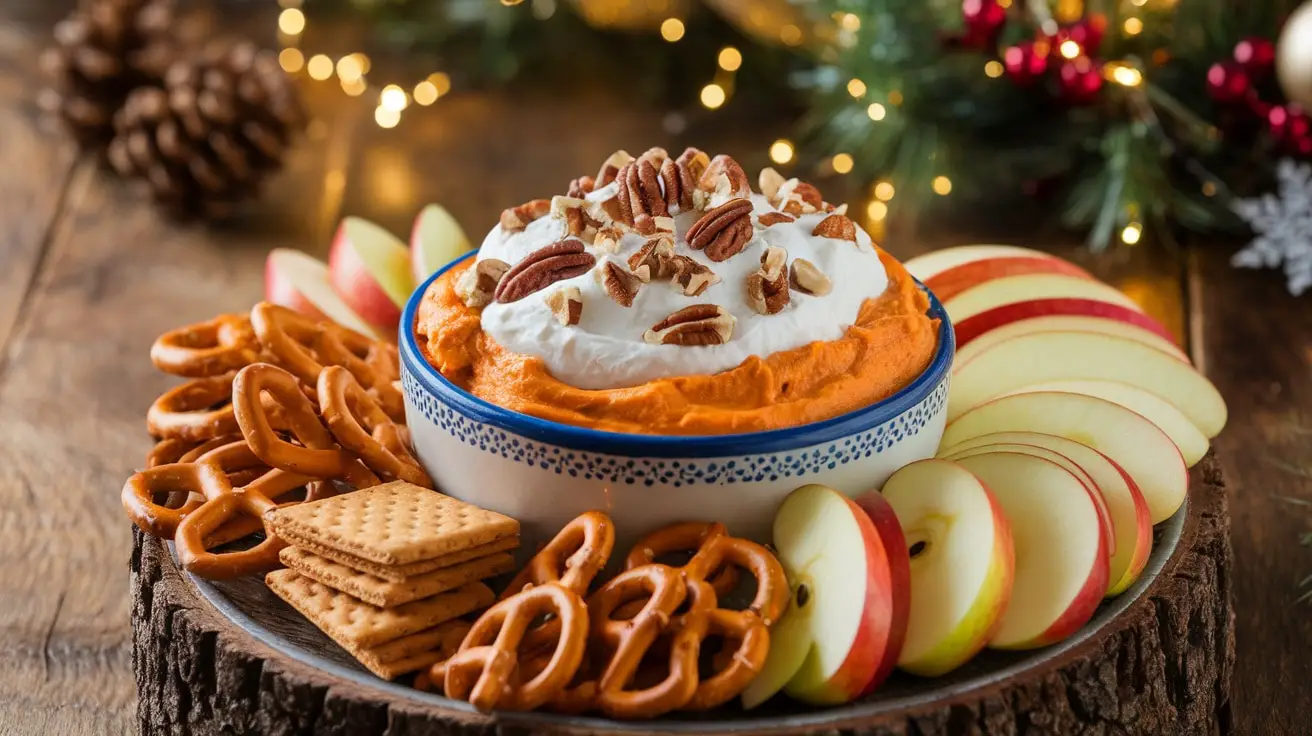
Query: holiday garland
pixel 1142 111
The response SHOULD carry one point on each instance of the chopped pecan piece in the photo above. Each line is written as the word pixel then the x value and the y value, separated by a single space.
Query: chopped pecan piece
pixel 836 226
pixel 608 238
pixel 691 277
pixel 611 168
pixel 767 289
pixel 652 259
pixel 515 219
pixel 797 197
pixel 581 187
pixel 478 283
pixel 620 285
pixel 574 212
pixel 808 279
pixel 700 324
pixel 774 218
pixel 769 182
pixel 566 304
pixel 723 180
pixel 544 267
pixel 695 161
pixel 724 231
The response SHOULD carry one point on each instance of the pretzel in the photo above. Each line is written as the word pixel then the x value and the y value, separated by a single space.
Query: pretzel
pixel 223 344
pixel 303 347
pixel 357 422
pixel 485 671
pixel 573 558
pixel 320 457
pixel 715 551
pixel 197 410
pixel 665 590
pixel 167 452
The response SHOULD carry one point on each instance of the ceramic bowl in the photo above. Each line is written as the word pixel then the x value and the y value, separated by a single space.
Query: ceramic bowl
pixel 545 473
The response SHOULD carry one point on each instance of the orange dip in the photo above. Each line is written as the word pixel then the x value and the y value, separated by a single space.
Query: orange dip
pixel 891 342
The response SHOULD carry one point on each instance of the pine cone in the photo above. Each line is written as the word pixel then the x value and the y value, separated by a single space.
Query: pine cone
pixel 206 139
pixel 104 50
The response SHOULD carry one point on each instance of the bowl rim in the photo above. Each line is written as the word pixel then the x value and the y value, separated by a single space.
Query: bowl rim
pixel 574 437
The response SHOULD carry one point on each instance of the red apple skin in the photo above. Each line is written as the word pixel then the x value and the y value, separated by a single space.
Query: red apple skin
pixel 1082 608
pixel 352 281
pixel 971 327
pixel 1145 536
pixel 895 575
pixel 279 290
pixel 953 281
pixel 868 654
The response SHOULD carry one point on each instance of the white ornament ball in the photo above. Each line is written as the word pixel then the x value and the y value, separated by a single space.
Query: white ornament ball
pixel 1294 57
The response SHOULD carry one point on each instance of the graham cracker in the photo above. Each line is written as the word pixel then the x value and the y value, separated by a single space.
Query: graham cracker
pixel 386 594
pixel 401 573
pixel 355 624
pixel 393 524
pixel 414 652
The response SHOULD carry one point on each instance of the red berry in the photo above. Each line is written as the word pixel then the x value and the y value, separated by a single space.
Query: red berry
pixel 1256 55
pixel 1227 82
pixel 983 20
pixel 1026 61
pixel 1080 80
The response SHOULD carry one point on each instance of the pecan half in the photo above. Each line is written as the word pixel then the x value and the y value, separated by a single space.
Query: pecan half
pixel 836 226
pixel 656 155
pixel 700 324
pixel 769 181
pixel 611 168
pixel 620 285
pixel 774 218
pixel 695 161
pixel 478 283
pixel 566 304
pixel 808 279
pixel 723 180
pixel 640 195
pixel 724 231
pixel 515 219
pixel 678 185
pixel 581 187
pixel 652 259
pixel 544 267
pixel 691 277
pixel 767 289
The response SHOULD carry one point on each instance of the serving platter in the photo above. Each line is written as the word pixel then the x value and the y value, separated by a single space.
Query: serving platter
pixel 224 657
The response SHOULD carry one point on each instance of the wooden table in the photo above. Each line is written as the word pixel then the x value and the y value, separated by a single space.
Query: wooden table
pixel 90 274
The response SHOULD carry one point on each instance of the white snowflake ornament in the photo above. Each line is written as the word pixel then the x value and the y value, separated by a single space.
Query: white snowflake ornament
pixel 1283 225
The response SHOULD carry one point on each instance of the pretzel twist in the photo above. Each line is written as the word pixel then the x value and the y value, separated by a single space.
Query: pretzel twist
pixel 486 672
pixel 197 410
pixel 303 347
pixel 319 457
pixel 362 427
pixel 221 345
pixel 573 558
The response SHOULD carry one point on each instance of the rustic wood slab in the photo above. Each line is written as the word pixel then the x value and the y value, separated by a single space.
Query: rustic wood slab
pixel 1161 666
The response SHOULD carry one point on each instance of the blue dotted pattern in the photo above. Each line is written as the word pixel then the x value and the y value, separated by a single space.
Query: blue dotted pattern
pixel 650 471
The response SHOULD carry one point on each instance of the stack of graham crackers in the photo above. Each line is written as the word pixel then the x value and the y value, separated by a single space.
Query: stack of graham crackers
pixel 387 571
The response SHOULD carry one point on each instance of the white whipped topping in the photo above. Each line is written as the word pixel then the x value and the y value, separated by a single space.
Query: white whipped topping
pixel 606 349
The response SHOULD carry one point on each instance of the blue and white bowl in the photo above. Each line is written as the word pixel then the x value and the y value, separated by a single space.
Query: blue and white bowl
pixel 545 473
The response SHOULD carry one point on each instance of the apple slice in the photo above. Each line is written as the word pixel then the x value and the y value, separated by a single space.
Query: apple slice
pixel 844 573
pixel 1039 357
pixel 961 563
pixel 370 268
pixel 950 282
pixel 1193 445
pixel 1069 465
pixel 1129 512
pixel 1133 442
pixel 925 267
pixel 300 282
pixel 436 240
pixel 1060 548
pixel 969 329
pixel 1066 323
pixel 1013 289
